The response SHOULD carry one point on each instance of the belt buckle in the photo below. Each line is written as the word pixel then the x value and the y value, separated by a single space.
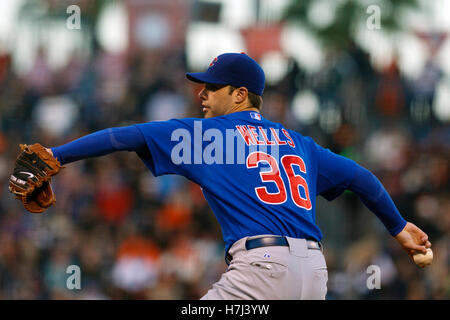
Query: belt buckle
pixel 317 245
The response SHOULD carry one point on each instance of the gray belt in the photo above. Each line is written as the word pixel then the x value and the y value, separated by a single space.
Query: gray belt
pixel 270 241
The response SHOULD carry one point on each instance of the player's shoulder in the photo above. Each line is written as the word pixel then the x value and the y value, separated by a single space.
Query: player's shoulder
pixel 189 123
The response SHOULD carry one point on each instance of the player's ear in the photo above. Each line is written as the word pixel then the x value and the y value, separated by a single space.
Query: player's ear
pixel 241 94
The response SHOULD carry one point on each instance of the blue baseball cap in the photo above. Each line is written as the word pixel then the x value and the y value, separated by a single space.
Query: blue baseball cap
pixel 236 69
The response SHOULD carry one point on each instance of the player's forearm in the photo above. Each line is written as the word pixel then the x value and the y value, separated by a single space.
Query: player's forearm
pixel 376 198
pixel 100 143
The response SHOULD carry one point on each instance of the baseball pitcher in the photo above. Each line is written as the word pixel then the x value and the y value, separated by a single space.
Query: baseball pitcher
pixel 260 179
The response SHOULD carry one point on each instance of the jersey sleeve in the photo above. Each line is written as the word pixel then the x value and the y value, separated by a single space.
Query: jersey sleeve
pixel 101 143
pixel 336 173
pixel 169 146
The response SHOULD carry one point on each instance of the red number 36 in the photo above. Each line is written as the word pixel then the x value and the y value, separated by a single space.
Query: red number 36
pixel 273 175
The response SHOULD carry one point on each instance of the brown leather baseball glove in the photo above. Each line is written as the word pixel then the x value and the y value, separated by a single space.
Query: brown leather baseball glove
pixel 30 181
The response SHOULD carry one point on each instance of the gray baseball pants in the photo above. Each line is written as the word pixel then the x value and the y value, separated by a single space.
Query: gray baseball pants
pixel 272 273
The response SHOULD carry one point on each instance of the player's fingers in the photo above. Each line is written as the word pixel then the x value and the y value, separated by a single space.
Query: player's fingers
pixel 428 244
pixel 420 236
pixel 414 248
pixel 422 249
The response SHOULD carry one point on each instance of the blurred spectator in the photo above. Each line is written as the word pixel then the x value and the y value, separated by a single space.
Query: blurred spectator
pixel 176 213
pixel 113 196
pixel 39 79
pixel 137 266
pixel 390 94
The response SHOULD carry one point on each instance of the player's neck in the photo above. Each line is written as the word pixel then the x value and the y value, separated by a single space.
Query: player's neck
pixel 242 107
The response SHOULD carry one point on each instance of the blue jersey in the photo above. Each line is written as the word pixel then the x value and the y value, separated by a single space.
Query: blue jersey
pixel 257 176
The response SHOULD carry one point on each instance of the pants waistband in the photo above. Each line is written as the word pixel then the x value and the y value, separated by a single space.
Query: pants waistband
pixel 268 241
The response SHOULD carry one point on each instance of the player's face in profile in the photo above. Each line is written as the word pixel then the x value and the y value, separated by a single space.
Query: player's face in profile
pixel 216 99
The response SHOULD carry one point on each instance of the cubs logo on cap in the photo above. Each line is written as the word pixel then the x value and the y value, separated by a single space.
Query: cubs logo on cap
pixel 212 62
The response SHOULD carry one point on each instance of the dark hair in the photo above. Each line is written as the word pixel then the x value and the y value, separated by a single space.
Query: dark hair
pixel 255 100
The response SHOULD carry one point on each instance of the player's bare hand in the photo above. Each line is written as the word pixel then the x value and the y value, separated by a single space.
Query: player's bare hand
pixel 413 240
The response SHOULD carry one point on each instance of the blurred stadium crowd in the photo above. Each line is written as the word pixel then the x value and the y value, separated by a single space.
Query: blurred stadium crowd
pixel 135 236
